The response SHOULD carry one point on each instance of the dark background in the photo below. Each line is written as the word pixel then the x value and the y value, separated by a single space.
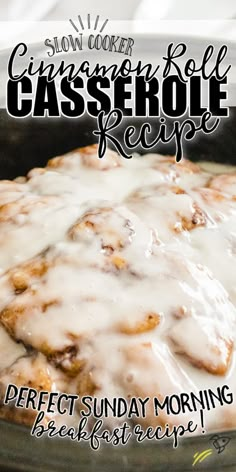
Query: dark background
pixel 27 143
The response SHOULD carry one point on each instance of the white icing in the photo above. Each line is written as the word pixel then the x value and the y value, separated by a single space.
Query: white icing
pixel 137 218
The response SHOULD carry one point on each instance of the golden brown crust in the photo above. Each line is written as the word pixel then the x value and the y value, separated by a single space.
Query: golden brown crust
pixel 190 216
pixel 86 384
pixel 68 360
pixel 165 163
pixel 210 195
pixel 11 211
pixel 198 219
pixel 222 182
pixel 36 172
pixel 221 357
pixel 89 158
pixel 31 371
pixel 148 323
pixel 113 230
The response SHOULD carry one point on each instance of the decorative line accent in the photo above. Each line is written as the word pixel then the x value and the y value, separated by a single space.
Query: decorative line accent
pixel 87 24
pixel 74 26
pixel 201 456
pixel 81 22
pixel 88 20
pixel 103 26
pixel 205 456
pixel 96 22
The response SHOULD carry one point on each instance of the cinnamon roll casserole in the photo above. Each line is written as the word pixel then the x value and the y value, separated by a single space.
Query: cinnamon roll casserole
pixel 118 279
